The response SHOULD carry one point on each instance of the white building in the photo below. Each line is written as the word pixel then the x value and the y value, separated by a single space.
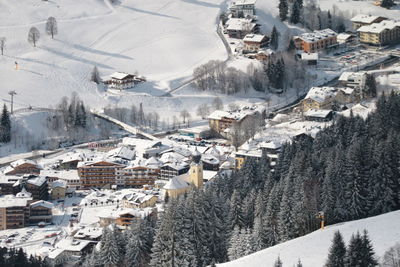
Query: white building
pixel 243 8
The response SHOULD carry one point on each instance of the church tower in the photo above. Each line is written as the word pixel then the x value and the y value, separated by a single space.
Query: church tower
pixel 196 170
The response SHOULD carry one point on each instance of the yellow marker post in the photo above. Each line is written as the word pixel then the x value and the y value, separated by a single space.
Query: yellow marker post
pixel 16 65
pixel 321 216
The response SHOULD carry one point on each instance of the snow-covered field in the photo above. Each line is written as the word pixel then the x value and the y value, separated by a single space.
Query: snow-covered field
pixel 312 249
pixel 162 40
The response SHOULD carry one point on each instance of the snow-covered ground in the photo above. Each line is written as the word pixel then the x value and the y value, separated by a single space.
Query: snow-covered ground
pixel 162 40
pixel 312 249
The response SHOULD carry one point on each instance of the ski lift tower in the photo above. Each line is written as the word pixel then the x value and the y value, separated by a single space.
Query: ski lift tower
pixel 12 93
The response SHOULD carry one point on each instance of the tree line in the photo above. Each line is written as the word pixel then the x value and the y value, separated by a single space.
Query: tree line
pixel 311 16
pixel 17 258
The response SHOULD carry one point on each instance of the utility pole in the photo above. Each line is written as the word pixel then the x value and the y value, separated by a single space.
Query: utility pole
pixel 12 93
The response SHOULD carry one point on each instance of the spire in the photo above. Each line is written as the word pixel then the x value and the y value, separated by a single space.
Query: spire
pixel 196 156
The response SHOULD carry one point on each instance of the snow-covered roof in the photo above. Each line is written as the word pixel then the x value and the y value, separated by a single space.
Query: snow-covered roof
pixel 153 162
pixel 347 90
pixel 271 145
pixel 362 18
pixel 22 161
pixel 42 203
pixel 237 115
pixel 72 245
pixel 208 175
pixel 244 2
pixel 38 181
pixel 258 38
pixel 59 183
pixel 379 27
pixel 320 94
pixel 240 24
pixel 23 194
pixel 343 36
pixel 317 35
pixel 66 175
pixel 319 113
pixel 309 56
pixel 345 76
pixel 176 183
pixel 13 201
pixel 119 75
pixel 89 232
pixel 55 253
pixel 122 152
pixel 210 159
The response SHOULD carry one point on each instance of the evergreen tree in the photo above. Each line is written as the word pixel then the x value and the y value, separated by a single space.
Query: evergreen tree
pixel 295 15
pixel 291 47
pixel 329 19
pixel 387 3
pixel 95 76
pixel 283 9
pixel 370 85
pixel 5 126
pixel 337 252
pixel 235 211
pixel 368 254
pixel 299 264
pixel 274 41
pixel 110 254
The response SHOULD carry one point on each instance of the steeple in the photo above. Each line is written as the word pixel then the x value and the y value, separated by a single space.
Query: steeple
pixel 196 169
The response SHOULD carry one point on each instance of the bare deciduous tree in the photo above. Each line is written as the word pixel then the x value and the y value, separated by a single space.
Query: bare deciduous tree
pixel 51 27
pixel 203 111
pixel 2 44
pixel 33 36
pixel 185 115
pixel 217 104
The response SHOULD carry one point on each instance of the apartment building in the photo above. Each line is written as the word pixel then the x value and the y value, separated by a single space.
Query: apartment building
pixel 99 174
pixel 316 41
pixel 379 34
pixel 364 20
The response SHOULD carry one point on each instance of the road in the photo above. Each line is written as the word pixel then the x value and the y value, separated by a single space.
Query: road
pixel 126 127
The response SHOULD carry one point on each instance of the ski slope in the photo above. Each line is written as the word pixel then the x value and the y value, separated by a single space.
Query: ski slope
pixel 312 249
pixel 162 40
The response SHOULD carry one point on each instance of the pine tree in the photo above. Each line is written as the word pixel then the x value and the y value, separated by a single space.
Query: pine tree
pixel 274 41
pixel 295 15
pixel 235 211
pixel 337 252
pixel 387 3
pixel 291 47
pixel 5 126
pixel 299 263
pixel 283 9
pixel 329 19
pixel 370 85
pixel 95 76
pixel 368 254
pixel 110 254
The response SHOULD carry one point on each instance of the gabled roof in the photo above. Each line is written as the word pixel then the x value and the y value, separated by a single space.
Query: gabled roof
pixel 320 94
pixel 362 18
pixel 121 75
pixel 176 183
pixel 38 181
pixel 42 203
pixel 258 38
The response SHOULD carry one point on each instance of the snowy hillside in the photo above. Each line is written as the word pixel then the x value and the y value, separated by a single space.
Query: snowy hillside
pixel 312 249
pixel 162 40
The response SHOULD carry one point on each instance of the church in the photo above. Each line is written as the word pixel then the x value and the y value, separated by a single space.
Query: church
pixel 181 184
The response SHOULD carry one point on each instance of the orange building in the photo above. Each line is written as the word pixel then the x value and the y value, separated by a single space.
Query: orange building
pixel 316 41
pixel 99 174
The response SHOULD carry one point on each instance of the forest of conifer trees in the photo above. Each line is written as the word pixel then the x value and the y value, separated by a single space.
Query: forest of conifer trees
pixel 349 171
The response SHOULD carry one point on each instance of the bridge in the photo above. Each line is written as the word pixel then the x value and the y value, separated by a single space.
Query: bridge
pixel 126 127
